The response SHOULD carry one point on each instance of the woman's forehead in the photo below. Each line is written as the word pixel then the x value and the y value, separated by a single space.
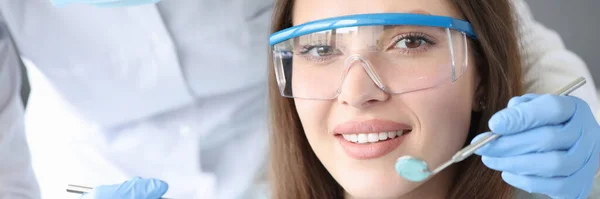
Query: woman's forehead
pixel 311 10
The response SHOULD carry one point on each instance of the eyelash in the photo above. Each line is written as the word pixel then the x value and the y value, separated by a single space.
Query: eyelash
pixel 307 48
pixel 412 35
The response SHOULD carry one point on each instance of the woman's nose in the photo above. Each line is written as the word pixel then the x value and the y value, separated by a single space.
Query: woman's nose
pixel 358 88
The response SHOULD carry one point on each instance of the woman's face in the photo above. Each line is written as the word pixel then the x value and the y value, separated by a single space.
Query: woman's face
pixel 435 120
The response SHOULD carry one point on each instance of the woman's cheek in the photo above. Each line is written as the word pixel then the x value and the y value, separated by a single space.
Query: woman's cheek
pixel 313 116
pixel 443 115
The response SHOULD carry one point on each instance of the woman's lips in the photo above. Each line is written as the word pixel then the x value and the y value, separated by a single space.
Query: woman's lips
pixel 370 139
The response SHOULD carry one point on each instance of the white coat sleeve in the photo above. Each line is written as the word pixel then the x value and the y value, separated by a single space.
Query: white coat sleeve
pixel 17 179
pixel 549 65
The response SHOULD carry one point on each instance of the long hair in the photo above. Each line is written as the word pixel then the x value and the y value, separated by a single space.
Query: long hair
pixel 296 172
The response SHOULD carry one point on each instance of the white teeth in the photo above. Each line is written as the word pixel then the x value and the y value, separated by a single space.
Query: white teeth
pixel 391 134
pixel 383 136
pixel 347 137
pixel 373 137
pixel 363 138
pixel 354 138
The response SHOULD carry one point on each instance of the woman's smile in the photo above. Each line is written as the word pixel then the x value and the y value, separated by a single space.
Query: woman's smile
pixel 370 139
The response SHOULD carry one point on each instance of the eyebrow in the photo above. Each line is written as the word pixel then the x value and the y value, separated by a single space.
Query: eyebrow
pixel 417 11
pixel 389 29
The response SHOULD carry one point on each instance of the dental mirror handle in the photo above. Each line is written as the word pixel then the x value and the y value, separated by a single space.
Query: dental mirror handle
pixel 469 150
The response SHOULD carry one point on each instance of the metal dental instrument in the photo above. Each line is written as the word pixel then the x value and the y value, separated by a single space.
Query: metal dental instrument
pixel 77 189
pixel 469 150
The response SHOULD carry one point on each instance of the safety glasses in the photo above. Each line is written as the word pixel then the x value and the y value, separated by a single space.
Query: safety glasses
pixel 398 52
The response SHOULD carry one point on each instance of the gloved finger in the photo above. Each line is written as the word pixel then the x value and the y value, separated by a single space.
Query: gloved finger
pixel 556 110
pixel 540 139
pixel 578 185
pixel 150 188
pixel 548 164
pixel 548 186
pixel 134 188
pixel 521 99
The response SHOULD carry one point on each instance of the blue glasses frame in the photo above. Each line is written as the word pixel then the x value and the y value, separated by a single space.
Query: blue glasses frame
pixel 410 19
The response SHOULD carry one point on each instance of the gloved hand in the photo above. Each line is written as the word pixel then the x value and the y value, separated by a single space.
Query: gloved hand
pixel 136 188
pixel 549 145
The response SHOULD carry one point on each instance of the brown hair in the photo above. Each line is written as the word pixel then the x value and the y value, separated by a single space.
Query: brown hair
pixel 296 172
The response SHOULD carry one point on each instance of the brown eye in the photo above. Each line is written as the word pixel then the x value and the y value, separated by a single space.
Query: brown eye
pixel 319 51
pixel 323 50
pixel 410 43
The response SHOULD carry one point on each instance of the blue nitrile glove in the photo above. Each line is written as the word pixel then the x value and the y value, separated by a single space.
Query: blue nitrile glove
pixel 136 188
pixel 549 145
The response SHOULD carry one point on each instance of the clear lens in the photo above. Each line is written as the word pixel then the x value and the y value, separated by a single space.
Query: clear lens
pixel 398 59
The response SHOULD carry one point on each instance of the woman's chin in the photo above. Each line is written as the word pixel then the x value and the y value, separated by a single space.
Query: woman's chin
pixel 364 190
pixel 375 184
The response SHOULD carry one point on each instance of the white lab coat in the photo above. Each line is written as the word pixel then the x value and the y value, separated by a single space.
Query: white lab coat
pixel 17 179
pixel 177 95
pixel 173 91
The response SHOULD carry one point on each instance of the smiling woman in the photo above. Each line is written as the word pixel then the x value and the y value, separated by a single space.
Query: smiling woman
pixel 374 81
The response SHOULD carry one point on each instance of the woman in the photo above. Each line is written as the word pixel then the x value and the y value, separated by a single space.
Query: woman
pixel 330 140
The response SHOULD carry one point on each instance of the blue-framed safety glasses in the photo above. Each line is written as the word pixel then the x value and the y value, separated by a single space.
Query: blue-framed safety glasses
pixel 398 52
